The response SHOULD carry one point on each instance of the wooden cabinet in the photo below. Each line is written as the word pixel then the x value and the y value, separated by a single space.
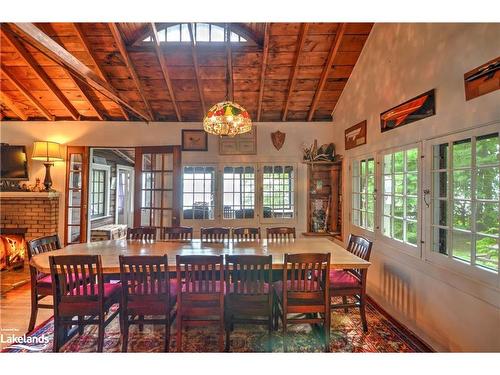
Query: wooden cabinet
pixel 324 199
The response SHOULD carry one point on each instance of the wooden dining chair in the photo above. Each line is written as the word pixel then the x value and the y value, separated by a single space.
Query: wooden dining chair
pixel 79 290
pixel 352 282
pixel 305 289
pixel 249 295
pixel 178 233
pixel 200 300
pixel 215 234
pixel 41 283
pixel 141 233
pixel 245 234
pixel 280 233
pixel 147 290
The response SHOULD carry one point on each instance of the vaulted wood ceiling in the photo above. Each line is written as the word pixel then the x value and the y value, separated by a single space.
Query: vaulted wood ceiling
pixel 98 71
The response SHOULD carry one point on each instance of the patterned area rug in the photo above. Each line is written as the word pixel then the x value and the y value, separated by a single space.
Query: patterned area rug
pixel 383 336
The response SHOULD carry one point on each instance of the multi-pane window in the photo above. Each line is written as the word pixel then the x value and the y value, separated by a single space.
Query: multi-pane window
pixel 98 193
pixel 278 191
pixel 239 192
pixel 400 195
pixel 466 200
pixel 363 193
pixel 198 192
pixel 203 32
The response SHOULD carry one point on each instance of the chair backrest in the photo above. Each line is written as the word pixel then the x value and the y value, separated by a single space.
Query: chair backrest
pixel 362 248
pixel 215 234
pixel 306 275
pixel 76 278
pixel 280 233
pixel 202 273
pixel 246 234
pixel 145 276
pixel 141 233
pixel 178 233
pixel 43 245
pixel 249 274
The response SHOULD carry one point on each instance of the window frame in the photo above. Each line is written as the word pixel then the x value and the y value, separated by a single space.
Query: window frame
pixel 215 192
pixel 358 160
pixel 446 260
pixel 107 178
pixel 220 205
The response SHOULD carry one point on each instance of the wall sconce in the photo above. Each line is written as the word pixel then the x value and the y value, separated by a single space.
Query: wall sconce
pixel 48 152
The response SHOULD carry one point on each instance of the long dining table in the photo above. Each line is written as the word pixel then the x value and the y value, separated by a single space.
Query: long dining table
pixel 111 250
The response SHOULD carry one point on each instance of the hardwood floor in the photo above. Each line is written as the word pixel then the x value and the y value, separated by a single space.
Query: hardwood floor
pixel 15 307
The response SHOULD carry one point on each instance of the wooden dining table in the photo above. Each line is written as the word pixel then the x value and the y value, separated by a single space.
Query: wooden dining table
pixel 111 250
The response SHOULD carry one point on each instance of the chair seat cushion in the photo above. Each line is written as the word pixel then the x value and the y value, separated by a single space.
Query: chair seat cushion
pixel 148 304
pixel 44 284
pixel 340 279
pixel 88 305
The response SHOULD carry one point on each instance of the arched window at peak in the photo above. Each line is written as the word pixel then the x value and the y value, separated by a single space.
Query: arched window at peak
pixel 202 32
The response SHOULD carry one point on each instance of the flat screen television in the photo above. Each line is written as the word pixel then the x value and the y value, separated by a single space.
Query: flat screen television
pixel 13 163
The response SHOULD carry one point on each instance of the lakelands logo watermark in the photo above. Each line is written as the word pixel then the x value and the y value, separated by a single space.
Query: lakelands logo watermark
pixel 29 343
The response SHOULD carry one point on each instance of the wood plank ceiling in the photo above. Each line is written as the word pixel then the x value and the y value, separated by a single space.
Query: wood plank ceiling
pixel 98 71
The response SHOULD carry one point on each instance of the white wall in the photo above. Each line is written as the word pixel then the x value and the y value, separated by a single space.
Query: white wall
pixel 127 134
pixel 400 61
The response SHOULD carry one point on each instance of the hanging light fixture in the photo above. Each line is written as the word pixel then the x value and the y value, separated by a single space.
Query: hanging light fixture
pixel 227 118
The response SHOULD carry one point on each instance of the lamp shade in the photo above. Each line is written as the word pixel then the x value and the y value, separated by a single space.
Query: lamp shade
pixel 227 119
pixel 46 151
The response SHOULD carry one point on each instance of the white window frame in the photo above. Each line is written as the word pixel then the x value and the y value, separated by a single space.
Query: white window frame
pixel 468 270
pixel 353 162
pixel 107 181
pixel 414 251
pixel 197 222
pixel 220 204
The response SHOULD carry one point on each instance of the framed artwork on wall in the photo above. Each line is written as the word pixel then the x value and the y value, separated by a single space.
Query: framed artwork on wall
pixel 410 111
pixel 355 136
pixel 483 79
pixel 194 140
pixel 242 144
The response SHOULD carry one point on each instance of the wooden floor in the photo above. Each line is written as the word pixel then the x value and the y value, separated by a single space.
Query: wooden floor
pixel 15 307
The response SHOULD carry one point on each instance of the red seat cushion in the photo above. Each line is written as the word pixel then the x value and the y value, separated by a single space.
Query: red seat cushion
pixel 340 279
pixel 147 304
pixel 112 293
pixel 44 284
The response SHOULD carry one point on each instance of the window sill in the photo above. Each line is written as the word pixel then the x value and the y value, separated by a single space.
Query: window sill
pixel 101 217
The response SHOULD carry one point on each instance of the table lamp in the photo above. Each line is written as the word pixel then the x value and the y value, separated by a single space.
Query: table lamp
pixel 48 152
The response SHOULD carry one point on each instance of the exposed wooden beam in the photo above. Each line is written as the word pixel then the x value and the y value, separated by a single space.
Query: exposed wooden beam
pixel 40 73
pixel 163 64
pixel 54 51
pixel 12 106
pixel 197 68
pixel 86 45
pixel 295 69
pixel 326 70
pixel 265 53
pixel 27 94
pixel 230 88
pixel 123 51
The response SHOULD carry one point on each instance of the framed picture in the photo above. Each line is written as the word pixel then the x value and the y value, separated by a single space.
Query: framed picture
pixel 482 80
pixel 194 140
pixel 410 111
pixel 355 136
pixel 242 144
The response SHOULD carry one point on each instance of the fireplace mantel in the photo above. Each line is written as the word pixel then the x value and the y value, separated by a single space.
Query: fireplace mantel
pixel 29 194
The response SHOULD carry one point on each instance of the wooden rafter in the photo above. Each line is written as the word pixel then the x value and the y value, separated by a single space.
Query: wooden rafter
pixel 27 94
pixel 265 53
pixel 54 51
pixel 128 61
pixel 40 73
pixel 86 45
pixel 326 70
pixel 12 106
pixel 196 68
pixel 164 70
pixel 293 76
pixel 230 87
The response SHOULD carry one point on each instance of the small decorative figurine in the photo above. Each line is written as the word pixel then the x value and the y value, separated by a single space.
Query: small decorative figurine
pixel 37 188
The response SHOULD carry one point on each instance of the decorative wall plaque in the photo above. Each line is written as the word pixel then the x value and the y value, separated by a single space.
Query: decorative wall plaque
pixel 355 136
pixel 278 139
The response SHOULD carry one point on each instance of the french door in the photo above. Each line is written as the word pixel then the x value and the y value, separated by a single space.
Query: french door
pixel 124 195
pixel 158 187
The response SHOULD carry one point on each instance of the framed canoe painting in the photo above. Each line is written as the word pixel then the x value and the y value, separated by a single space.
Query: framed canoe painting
pixel 355 136
pixel 410 111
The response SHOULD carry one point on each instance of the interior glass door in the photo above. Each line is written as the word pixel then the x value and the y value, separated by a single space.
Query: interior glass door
pixel 125 196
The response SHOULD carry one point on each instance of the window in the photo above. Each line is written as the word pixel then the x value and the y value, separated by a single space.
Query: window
pixel 363 193
pixel 203 32
pixel 400 195
pixel 199 192
pixel 239 192
pixel 99 191
pixel 278 192
pixel 466 200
